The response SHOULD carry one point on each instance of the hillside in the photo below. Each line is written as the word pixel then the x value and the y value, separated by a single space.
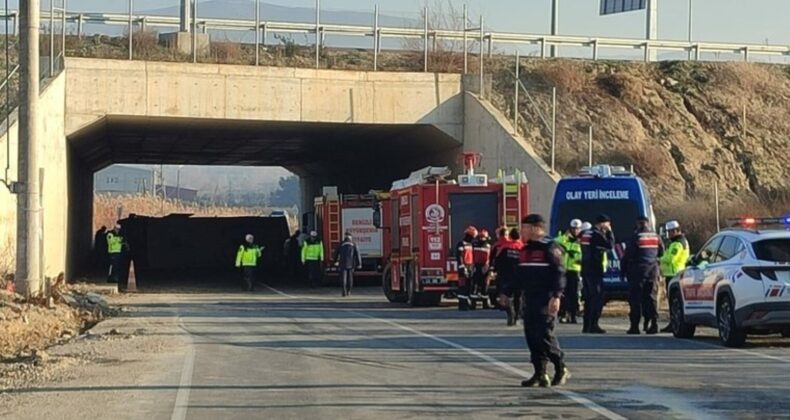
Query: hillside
pixel 679 123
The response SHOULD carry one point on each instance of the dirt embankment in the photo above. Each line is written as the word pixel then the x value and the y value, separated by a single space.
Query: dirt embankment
pixel 683 126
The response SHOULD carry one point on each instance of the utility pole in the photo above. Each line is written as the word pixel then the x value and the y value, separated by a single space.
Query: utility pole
pixel 28 228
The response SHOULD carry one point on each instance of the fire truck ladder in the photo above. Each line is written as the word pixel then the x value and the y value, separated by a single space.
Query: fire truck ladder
pixel 333 214
pixel 511 199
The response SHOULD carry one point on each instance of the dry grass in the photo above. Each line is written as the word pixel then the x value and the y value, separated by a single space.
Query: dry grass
pixel 7 258
pixel 226 52
pixel 106 209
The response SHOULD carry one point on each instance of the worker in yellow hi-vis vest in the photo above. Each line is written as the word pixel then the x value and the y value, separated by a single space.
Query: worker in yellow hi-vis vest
pixel 312 257
pixel 247 259
pixel 116 245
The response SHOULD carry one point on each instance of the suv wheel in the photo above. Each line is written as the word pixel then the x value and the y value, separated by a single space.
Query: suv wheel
pixel 729 333
pixel 680 328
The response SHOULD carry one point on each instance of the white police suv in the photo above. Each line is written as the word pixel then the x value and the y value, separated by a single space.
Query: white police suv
pixel 738 283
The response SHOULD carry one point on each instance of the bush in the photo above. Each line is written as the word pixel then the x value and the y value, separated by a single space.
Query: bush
pixel 145 43
pixel 226 52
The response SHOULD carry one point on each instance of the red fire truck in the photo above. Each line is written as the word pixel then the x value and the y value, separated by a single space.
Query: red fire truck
pixel 338 214
pixel 425 217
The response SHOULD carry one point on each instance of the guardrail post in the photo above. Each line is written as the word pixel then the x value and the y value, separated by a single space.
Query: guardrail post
pixel 144 24
pixel 543 48
pixel 317 33
pixel 746 54
pixel 194 31
pixel 647 51
pixel 697 52
pixel 490 45
pixel 466 44
pixel 515 95
pixel 376 37
pixel 482 59
pixel 131 30
pixel 257 32
pixel 63 34
pixel 80 23
pixel 595 50
pixel 553 125
pixel 425 41
pixel 51 38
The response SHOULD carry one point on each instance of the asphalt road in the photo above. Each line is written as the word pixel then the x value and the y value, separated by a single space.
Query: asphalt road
pixel 297 353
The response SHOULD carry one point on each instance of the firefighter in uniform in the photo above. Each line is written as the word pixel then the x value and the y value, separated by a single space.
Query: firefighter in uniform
pixel 464 255
pixel 596 243
pixel 312 256
pixel 541 275
pixel 640 265
pixel 505 263
pixel 481 258
pixel 572 261
pixel 675 258
pixel 247 259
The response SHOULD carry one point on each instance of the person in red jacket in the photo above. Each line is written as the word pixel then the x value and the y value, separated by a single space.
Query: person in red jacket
pixel 464 256
pixel 481 258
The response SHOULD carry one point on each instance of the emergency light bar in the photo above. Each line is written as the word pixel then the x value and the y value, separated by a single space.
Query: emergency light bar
pixel 759 221
pixel 604 171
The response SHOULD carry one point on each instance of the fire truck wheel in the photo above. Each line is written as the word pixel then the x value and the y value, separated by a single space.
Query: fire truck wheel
pixel 391 295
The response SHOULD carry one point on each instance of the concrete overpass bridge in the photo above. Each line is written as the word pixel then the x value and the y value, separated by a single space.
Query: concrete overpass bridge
pixel 357 130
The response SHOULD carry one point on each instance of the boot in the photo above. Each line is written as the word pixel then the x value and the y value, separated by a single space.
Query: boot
pixel 561 376
pixel 511 320
pixel 634 330
pixel 653 327
pixel 596 329
pixel 667 329
pixel 537 380
pixel 644 327
pixel 573 320
pixel 586 327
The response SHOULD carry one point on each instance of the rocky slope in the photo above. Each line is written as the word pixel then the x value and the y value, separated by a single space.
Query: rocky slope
pixel 681 124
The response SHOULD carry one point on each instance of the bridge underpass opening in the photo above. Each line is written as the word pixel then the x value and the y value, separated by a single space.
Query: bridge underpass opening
pixel 356 158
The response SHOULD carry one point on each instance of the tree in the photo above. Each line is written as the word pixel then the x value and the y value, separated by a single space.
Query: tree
pixel 287 193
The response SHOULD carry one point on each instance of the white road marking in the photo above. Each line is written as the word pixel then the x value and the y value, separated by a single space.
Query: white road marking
pixel 590 405
pixel 182 397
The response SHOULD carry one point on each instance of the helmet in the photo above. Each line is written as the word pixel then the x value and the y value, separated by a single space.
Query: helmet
pixel 471 231
pixel 673 225
pixel 576 224
pixel 586 226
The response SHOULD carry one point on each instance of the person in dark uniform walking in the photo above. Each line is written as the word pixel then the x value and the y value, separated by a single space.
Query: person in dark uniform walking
pixel 640 264
pixel 504 259
pixel 347 258
pixel 541 275
pixel 464 256
pixel 596 243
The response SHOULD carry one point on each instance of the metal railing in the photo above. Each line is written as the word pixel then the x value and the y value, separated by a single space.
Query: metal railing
pixel 52 53
pixel 694 50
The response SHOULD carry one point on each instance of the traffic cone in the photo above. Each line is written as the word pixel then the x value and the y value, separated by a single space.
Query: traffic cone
pixel 131 283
